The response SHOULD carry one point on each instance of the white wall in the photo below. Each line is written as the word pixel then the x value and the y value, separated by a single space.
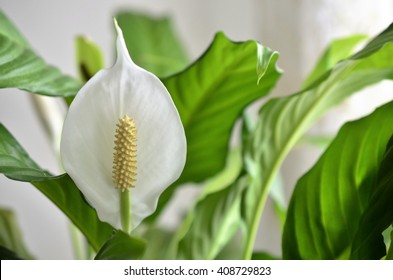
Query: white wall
pixel 299 29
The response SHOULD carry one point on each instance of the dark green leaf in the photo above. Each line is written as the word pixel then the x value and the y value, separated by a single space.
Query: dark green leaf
pixel 328 201
pixel 10 234
pixel 283 121
pixel 152 43
pixel 263 256
pixel 121 246
pixel 21 68
pixel 210 96
pixel 6 254
pixel 378 215
pixel 61 190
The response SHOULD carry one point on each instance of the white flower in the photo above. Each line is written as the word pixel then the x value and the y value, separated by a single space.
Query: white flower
pixel 156 151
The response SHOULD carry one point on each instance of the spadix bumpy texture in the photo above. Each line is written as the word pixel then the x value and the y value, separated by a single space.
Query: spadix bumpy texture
pixel 124 91
pixel 124 156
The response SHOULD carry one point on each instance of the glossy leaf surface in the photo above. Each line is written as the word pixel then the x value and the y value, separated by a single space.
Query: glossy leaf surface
pixel 210 96
pixel 283 121
pixel 328 202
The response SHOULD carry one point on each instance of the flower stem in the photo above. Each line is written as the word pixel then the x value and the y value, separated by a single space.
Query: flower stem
pixel 125 213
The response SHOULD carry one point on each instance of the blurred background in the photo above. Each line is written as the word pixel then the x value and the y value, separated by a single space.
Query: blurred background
pixel 298 29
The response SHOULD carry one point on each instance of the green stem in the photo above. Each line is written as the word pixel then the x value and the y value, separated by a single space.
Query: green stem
pixel 389 255
pixel 76 241
pixel 125 213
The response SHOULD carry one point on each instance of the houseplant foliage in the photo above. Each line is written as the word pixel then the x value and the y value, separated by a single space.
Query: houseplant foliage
pixel 339 209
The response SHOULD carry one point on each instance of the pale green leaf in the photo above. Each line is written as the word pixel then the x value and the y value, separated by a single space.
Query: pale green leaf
pixel 21 67
pixel 215 221
pixel 10 234
pixel 89 57
pixel 215 218
pixel 338 50
pixel 389 255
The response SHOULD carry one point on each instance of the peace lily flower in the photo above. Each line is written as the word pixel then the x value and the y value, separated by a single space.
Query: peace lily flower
pixel 123 142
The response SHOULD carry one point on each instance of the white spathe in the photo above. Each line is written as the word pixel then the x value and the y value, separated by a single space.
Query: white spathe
pixel 88 136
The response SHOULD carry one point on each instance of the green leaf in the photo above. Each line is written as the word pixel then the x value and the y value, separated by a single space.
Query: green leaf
pixel 10 234
pixel 211 94
pixel 389 255
pixel 121 246
pixel 337 50
pixel 211 222
pixel 152 43
pixel 378 215
pixel 157 239
pixel 283 121
pixel 263 256
pixel 328 201
pixel 61 190
pixel 21 67
pixel 215 220
pixel 15 163
pixel 89 57
pixel 9 30
pixel 6 254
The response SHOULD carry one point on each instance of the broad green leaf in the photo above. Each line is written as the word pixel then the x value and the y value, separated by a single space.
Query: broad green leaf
pixel 10 234
pixel 328 201
pixel 152 43
pixel 6 254
pixel 211 94
pixel 337 50
pixel 283 121
pixel 378 215
pixel 61 190
pixel 21 67
pixel 121 246
pixel 216 220
pixel 89 57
